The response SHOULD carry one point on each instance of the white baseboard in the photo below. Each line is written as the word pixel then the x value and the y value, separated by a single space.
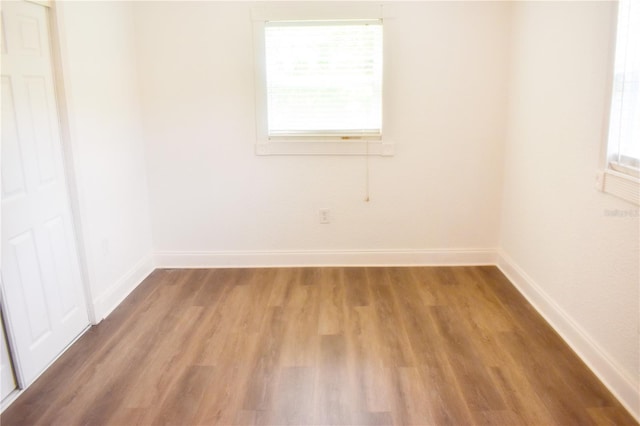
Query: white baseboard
pixel 624 387
pixel 114 295
pixel 246 259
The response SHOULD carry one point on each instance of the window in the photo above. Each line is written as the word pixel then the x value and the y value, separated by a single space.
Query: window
pixel 622 170
pixel 319 86
pixel 324 78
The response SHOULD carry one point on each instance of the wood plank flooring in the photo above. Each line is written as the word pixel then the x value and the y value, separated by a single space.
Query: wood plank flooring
pixel 320 346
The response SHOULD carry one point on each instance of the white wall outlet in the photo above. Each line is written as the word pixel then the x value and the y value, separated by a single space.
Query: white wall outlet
pixel 325 216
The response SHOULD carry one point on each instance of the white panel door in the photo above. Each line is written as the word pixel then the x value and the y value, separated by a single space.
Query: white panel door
pixel 7 381
pixel 44 301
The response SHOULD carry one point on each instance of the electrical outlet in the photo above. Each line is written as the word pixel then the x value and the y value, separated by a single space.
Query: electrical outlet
pixel 325 216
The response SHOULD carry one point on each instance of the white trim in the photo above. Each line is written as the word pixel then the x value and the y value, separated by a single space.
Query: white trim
pixel 277 258
pixel 624 167
pixel 317 11
pixel 362 147
pixel 67 138
pixel 621 185
pixel 623 386
pixel 116 293
pixel 45 3
pixel 5 403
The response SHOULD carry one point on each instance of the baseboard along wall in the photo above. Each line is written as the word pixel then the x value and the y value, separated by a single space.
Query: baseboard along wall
pixel 248 259
pixel 624 387
pixel 119 290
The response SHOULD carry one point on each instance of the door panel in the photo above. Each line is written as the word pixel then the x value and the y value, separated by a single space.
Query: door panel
pixel 44 299
pixel 12 172
pixel 42 136
pixel 60 253
pixel 22 264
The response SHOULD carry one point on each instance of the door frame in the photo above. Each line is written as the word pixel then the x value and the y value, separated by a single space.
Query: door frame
pixel 67 137
pixel 59 64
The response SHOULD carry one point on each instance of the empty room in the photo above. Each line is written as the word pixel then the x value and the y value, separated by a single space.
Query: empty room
pixel 320 213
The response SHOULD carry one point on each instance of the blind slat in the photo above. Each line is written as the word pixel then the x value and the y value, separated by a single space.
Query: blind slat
pixel 324 77
pixel 624 126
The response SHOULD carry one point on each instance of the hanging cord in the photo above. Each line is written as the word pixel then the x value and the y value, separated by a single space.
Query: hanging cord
pixel 367 198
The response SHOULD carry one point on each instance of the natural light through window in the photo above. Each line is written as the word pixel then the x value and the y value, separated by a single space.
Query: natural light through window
pixel 624 128
pixel 323 78
pixel 621 174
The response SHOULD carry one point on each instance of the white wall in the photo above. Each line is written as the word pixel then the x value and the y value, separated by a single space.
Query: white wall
pixel 579 264
pixel 100 77
pixel 445 100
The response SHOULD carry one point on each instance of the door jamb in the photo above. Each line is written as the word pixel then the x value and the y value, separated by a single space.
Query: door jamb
pixel 55 18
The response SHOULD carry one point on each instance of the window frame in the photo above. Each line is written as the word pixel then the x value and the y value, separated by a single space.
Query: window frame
pixel 325 144
pixel 615 178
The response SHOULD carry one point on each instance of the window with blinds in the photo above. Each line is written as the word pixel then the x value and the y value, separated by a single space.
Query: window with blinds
pixel 323 78
pixel 621 172
pixel 624 125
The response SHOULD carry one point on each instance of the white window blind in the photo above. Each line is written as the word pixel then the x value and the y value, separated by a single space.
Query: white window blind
pixel 324 78
pixel 624 125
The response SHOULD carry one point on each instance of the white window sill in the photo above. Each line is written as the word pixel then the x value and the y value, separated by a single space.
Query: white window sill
pixel 297 147
pixel 620 185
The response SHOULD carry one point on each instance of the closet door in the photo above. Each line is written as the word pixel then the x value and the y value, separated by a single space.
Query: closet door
pixel 44 302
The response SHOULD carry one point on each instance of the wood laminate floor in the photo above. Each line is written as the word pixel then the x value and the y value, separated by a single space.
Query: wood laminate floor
pixel 321 346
